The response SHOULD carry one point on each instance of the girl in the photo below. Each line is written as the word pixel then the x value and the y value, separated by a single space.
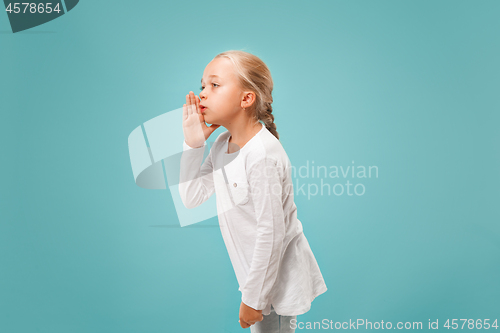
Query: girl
pixel 250 171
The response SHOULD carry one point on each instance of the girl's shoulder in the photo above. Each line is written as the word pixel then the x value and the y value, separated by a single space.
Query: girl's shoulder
pixel 267 146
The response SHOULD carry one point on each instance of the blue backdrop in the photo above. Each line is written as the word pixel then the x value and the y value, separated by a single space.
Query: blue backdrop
pixel 407 87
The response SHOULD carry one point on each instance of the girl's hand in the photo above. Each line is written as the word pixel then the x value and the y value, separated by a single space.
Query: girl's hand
pixel 196 131
pixel 249 316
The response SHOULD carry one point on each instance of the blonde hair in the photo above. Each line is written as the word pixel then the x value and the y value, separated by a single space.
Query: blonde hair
pixel 254 75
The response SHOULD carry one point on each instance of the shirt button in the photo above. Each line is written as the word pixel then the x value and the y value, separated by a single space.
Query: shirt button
pixel 235 185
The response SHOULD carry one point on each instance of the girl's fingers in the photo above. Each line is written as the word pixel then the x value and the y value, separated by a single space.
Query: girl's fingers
pixel 192 104
pixel 197 104
pixel 191 97
pixel 190 101
pixel 192 108
pixel 188 110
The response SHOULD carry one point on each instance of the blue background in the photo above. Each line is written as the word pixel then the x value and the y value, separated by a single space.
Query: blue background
pixel 408 86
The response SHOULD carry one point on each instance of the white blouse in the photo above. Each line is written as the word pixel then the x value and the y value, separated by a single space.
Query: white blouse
pixel 271 257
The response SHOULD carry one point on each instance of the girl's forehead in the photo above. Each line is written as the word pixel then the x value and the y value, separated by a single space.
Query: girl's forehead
pixel 219 68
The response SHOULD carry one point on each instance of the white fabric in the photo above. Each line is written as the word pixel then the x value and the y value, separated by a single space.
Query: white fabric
pixel 270 254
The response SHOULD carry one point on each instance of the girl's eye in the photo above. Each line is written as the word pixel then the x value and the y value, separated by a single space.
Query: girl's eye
pixel 202 87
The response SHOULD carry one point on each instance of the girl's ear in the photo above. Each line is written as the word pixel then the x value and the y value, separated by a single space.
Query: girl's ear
pixel 248 99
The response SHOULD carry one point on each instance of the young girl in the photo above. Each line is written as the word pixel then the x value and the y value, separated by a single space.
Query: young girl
pixel 250 171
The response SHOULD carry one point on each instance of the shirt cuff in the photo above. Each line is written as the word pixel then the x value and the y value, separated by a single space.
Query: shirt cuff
pixel 187 147
pixel 254 306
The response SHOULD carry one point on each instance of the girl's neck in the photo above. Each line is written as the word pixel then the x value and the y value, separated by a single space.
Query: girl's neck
pixel 240 135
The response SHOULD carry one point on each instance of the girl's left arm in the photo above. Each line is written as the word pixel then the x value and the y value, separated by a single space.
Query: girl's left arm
pixel 265 189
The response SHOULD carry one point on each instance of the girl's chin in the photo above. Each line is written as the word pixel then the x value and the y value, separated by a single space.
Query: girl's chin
pixel 209 120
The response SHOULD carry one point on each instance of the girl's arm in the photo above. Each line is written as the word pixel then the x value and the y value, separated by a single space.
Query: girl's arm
pixel 196 184
pixel 266 190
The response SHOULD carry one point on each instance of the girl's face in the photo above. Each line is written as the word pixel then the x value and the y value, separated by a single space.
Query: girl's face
pixel 221 95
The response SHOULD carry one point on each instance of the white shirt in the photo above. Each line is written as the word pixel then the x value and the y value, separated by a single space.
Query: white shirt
pixel 271 257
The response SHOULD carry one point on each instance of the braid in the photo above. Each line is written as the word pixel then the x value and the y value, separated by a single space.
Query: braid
pixel 268 119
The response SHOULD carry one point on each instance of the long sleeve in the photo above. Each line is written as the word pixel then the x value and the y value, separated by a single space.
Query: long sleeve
pixel 266 191
pixel 196 184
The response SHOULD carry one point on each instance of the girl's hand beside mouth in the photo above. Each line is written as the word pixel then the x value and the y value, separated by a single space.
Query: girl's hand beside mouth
pixel 196 131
